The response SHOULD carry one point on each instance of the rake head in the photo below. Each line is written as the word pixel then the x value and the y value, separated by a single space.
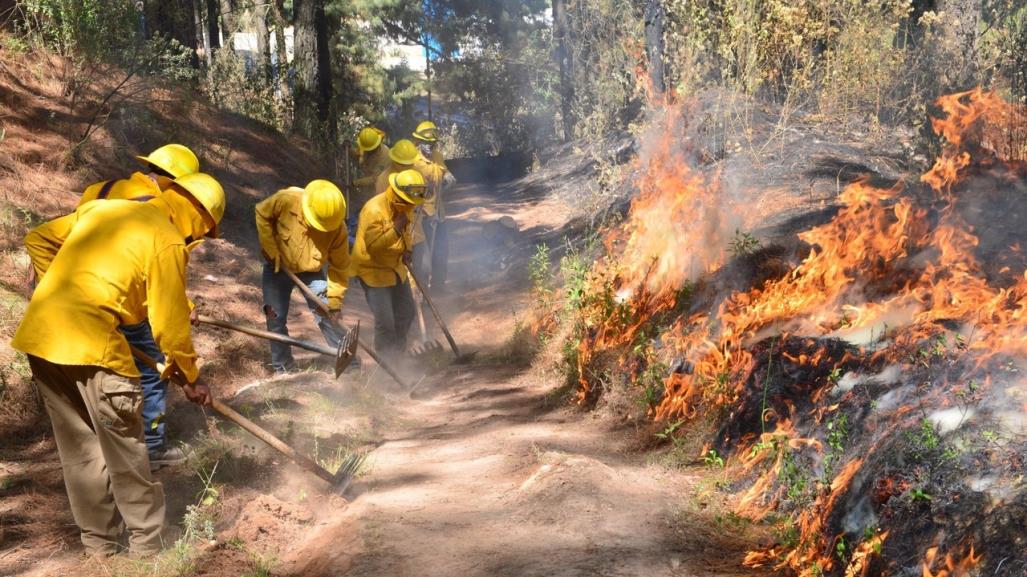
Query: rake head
pixel 347 471
pixel 347 350
pixel 428 350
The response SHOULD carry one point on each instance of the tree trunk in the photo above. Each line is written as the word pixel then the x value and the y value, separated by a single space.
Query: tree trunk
pixel 174 18
pixel 563 59
pixel 213 30
pixel 950 53
pixel 654 21
pixel 281 67
pixel 313 94
pixel 263 44
pixel 324 73
pixel 201 41
pixel 955 57
pixel 229 22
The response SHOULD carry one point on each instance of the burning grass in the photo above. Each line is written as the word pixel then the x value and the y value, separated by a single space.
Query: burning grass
pixel 869 383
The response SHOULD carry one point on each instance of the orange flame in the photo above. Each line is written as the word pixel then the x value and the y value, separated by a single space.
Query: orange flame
pixel 950 567
pixel 896 258
pixel 860 561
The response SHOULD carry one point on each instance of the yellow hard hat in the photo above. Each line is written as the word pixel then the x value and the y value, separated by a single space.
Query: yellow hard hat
pixel 409 186
pixel 174 159
pixel 208 192
pixel 404 152
pixel 427 131
pixel 369 139
pixel 324 206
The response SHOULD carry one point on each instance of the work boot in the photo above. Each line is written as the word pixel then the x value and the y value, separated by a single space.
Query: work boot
pixel 289 369
pixel 166 457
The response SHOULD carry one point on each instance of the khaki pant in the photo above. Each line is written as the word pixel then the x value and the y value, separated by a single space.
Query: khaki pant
pixel 98 426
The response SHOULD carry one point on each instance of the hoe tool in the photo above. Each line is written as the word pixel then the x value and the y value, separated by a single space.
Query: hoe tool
pixel 338 482
pixel 343 355
pixel 460 358
pixel 324 311
pixel 429 348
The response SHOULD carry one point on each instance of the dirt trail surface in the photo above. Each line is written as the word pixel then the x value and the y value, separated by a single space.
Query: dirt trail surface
pixel 492 482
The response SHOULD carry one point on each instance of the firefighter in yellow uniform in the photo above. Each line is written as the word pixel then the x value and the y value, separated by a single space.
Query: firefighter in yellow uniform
pixel 372 160
pixel 380 258
pixel 403 155
pixel 119 262
pixel 165 164
pixel 303 230
pixel 431 236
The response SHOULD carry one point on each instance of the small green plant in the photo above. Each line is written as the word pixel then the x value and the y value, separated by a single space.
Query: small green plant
pixel 991 437
pixel 919 494
pixel 835 375
pixel 788 535
pixel 837 433
pixel 924 439
pixel 744 244
pixel 799 486
pixel 668 433
pixel 651 383
pixel 538 270
pixel 841 550
pixel 763 446
pixel 15 44
pixel 712 459
pixel 209 494
pixel 574 268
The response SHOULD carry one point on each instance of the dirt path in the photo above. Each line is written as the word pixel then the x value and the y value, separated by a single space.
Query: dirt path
pixel 494 481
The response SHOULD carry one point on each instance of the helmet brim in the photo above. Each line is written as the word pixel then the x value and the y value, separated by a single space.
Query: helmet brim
pixel 167 169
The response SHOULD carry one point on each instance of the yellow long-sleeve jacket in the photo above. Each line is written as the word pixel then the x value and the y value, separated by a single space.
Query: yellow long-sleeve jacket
pixel 138 186
pixel 370 165
pixel 284 234
pixel 434 171
pixel 119 262
pixel 378 249
pixel 381 184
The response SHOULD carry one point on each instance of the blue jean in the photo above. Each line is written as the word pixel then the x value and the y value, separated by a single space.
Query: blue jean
pixel 277 292
pixel 155 390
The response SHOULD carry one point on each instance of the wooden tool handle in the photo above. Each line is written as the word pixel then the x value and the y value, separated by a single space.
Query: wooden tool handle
pixel 324 311
pixel 258 432
pixel 231 414
pixel 268 335
pixel 435 312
